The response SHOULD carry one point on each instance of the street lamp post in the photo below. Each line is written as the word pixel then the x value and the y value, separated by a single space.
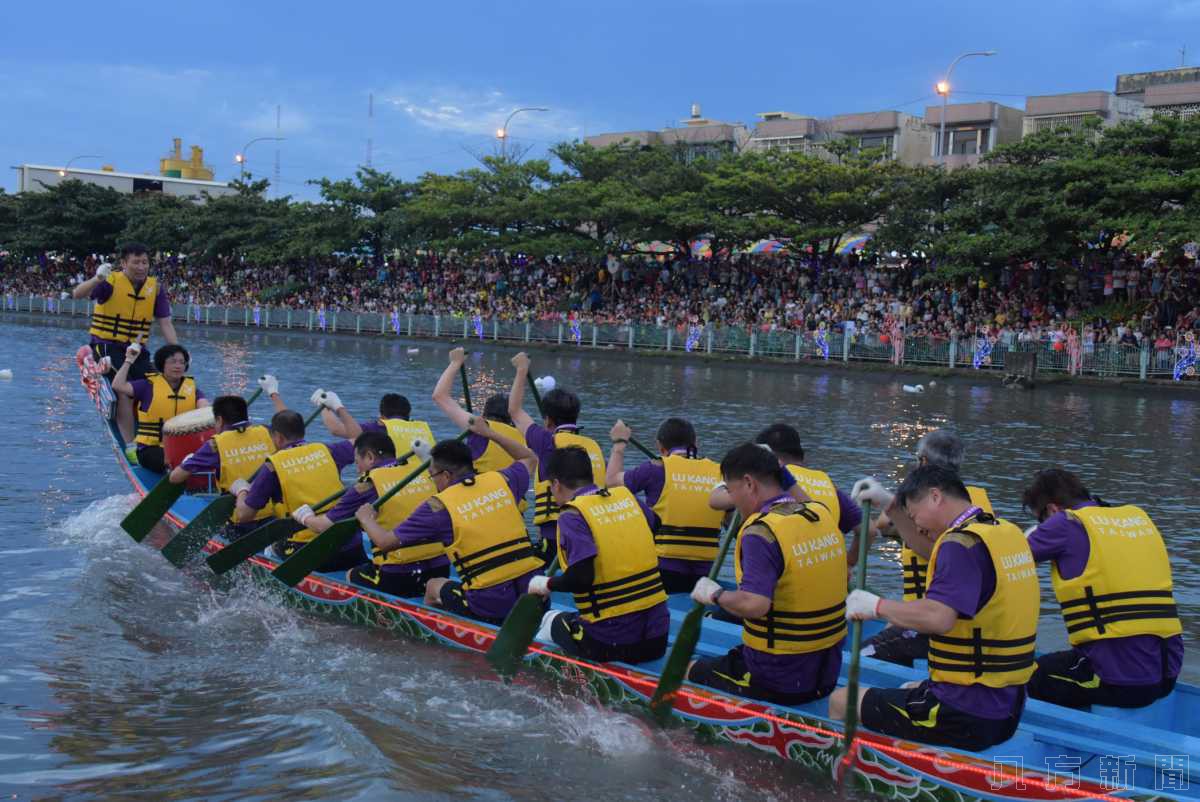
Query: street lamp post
pixel 240 158
pixel 67 167
pixel 943 89
pixel 502 134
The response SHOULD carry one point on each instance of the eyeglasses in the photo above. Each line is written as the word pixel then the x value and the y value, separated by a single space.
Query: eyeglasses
pixel 435 474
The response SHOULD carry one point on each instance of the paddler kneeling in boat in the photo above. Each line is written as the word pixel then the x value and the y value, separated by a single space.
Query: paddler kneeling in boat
pixel 790 566
pixel 677 488
pixel 485 453
pixel 605 540
pixel 236 451
pixel 477 518
pixel 980 611
pixel 160 396
pixel 298 473
pixel 1112 576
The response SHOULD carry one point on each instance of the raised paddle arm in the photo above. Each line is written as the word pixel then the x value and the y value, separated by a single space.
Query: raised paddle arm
pixel 441 391
pixel 516 397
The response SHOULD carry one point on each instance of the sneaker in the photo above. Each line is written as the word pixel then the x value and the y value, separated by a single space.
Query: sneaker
pixel 131 454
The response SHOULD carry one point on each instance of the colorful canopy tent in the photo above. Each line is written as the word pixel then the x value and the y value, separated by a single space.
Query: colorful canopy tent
pixel 767 246
pixel 852 242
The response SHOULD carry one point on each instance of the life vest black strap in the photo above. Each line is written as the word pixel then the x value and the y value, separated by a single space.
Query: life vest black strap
pixel 771 634
pixel 1097 617
pixel 472 565
pixel 975 661
pixel 593 603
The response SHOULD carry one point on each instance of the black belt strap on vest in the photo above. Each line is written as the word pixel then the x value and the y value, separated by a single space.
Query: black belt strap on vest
pixel 471 566
pixel 687 536
pixel 977 661
pixel 782 626
pixel 604 595
pixel 1096 617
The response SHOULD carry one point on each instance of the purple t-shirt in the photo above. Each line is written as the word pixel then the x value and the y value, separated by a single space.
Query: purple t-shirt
pixel 540 441
pixel 478 444
pixel 205 459
pixel 762 566
pixel 1136 660
pixel 964 579
pixel 265 489
pixel 649 479
pixel 104 290
pixel 143 394
pixel 426 524
pixel 653 622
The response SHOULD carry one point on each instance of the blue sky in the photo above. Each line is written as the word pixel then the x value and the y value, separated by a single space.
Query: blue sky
pixel 119 79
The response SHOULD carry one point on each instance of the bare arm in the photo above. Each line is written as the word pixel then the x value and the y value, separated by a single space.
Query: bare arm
pixel 333 422
pixel 348 424
pixel 84 289
pixel 381 537
pixel 243 513
pixel 620 434
pixel 167 326
pixel 516 397
pixel 319 523
pixel 924 615
pixel 446 402
pixel 178 476
pixel 120 382
pixel 745 604
pixel 719 498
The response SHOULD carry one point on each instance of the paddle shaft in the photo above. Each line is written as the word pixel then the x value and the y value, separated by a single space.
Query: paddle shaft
pixel 313 416
pixel 633 441
pixel 466 384
pixel 856 627
pixel 254 397
pixel 537 396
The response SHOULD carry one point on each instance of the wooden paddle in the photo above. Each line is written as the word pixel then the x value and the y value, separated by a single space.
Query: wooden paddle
pixel 258 539
pixel 675 669
pixel 150 510
pixel 856 631
pixel 319 549
pixel 517 632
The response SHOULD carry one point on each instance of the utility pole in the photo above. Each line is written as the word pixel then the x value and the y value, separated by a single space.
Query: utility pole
pixel 370 126
pixel 1183 56
pixel 278 139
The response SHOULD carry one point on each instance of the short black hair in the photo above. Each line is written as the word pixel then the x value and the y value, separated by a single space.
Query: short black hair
pixel 677 433
pixel 928 477
pixel 133 249
pixel 496 408
pixel 561 406
pixel 783 439
pixel 1054 486
pixel 231 409
pixel 289 424
pixel 751 459
pixel 166 352
pixel 571 465
pixel 394 405
pixel 378 442
pixel 452 455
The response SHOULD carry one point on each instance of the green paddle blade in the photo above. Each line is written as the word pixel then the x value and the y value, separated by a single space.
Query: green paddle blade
pixel 675 670
pixel 315 552
pixel 515 636
pixel 246 547
pixel 150 510
pixel 191 539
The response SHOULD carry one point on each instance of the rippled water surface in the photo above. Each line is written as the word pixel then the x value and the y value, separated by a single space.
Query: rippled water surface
pixel 124 678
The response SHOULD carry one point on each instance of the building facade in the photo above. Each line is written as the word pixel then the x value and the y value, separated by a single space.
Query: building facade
pixel 40 177
pixel 1073 110
pixel 972 130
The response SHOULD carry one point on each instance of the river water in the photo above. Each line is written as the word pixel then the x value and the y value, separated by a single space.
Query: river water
pixel 124 678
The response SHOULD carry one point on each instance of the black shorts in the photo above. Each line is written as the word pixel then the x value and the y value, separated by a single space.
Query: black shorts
pixel 729 674
pixel 152 458
pixel 116 351
pixel 915 714
pixel 397 583
pixel 897 645
pixel 570 633
pixel 454 600
pixel 675 582
pixel 1069 679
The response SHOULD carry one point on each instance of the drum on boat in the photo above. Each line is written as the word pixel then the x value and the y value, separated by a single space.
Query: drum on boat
pixel 185 433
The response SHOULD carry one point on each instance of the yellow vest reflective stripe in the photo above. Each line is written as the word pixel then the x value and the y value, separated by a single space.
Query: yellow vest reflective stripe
pixel 688 528
pixel 307 474
pixel 626 566
pixel 241 454
pixel 490 543
pixel 808 609
pixel 995 647
pixel 127 314
pixel 495 458
pixel 397 509
pixel 914 567
pixel 544 508
pixel 403 432
pixel 819 487
pixel 164 405
pixel 1126 587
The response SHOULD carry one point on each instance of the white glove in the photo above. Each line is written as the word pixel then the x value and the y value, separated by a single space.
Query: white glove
pixel 269 384
pixel 331 401
pixel 1030 531
pixel 103 270
pixel 703 592
pixel 317 398
pixel 239 486
pixel 540 585
pixel 421 449
pixel 131 353
pixel 302 513
pixel 870 490
pixel 862 605
pixel 545 384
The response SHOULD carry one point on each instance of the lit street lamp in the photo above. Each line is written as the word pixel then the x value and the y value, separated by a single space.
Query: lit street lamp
pixel 502 133
pixel 943 89
pixel 240 158
pixel 67 167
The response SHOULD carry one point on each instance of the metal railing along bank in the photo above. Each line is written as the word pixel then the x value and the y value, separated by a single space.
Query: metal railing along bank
pixel 1099 360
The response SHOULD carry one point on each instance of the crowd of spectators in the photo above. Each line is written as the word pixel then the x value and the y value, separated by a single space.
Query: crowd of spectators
pixel 1129 299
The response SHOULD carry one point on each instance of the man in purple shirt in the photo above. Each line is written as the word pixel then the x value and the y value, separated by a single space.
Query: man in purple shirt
pixel 1103 667
pixel 611 568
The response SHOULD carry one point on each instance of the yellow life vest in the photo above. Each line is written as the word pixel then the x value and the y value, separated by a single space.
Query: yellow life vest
pixel 995 647
pixel 241 454
pixel 626 565
pixel 164 405
pixel 544 508
pixel 819 487
pixel 127 314
pixel 397 509
pixel 914 567
pixel 490 543
pixel 688 528
pixel 494 457
pixel 403 432
pixel 307 474
pixel 1125 588
pixel 808 609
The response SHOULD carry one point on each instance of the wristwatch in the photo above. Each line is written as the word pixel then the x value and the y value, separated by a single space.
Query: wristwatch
pixel 716 597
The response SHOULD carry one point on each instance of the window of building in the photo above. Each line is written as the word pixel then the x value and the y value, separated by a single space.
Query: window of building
pixel 147 185
pixel 872 141
pixel 1072 121
pixel 968 141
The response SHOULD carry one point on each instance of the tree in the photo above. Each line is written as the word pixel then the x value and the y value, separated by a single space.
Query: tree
pixel 71 217
pixel 372 204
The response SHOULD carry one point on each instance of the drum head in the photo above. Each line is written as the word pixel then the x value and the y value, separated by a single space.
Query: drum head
pixel 196 420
